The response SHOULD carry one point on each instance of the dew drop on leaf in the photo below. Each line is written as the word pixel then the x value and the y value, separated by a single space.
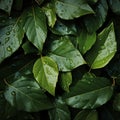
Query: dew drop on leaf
pixel 7 33
pixel 13 93
pixel 28 87
pixel 7 39
pixel 9 48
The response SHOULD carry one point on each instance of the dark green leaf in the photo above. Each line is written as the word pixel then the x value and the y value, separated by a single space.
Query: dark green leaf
pixel 35 26
pixel 65 54
pixel 66 80
pixel 60 112
pixel 28 48
pixel 87 115
pixel 85 41
pixel 116 103
pixel 115 6
pixel 45 71
pixel 6 5
pixel 94 22
pixel 89 92
pixel 64 28
pixel 70 9
pixel 104 49
pixel 11 36
pixel 50 13
pixel 24 93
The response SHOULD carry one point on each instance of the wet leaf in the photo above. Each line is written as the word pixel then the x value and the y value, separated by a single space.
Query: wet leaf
pixel 65 54
pixel 104 49
pixel 45 71
pixel 35 26
pixel 70 9
pixel 89 92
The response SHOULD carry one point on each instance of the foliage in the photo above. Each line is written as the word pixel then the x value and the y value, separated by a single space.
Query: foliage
pixel 59 59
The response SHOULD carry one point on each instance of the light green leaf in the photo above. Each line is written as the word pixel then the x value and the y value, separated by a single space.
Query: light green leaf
pixel 64 28
pixel 94 22
pixel 65 54
pixel 70 9
pixel 89 92
pixel 35 26
pixel 66 80
pixel 104 49
pixel 87 115
pixel 45 71
pixel 115 6
pixel 50 13
pixel 6 5
pixel 11 35
pixel 22 91
pixel 85 41
pixel 60 112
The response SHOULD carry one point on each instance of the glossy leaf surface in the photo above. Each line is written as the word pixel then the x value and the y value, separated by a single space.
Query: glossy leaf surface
pixel 46 73
pixel 24 93
pixel 65 54
pixel 64 28
pixel 11 35
pixel 66 80
pixel 70 9
pixel 104 49
pixel 35 26
pixel 85 41
pixel 50 13
pixel 88 93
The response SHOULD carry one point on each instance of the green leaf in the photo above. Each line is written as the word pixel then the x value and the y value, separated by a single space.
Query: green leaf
pixel 87 115
pixel 115 6
pixel 66 80
pixel 29 48
pixel 89 92
pixel 45 71
pixel 24 93
pixel 116 102
pixel 94 22
pixel 60 112
pixel 35 26
pixel 64 28
pixel 6 5
pixel 65 54
pixel 70 9
pixel 11 35
pixel 50 13
pixel 104 49
pixel 85 41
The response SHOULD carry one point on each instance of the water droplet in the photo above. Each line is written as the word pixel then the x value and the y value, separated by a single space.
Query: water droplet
pixel 28 87
pixel 100 39
pixel 7 33
pixel 9 48
pixel 7 39
pixel 13 93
